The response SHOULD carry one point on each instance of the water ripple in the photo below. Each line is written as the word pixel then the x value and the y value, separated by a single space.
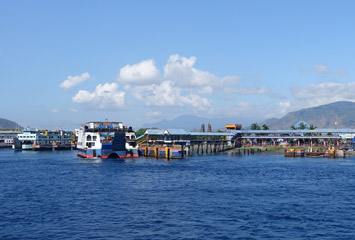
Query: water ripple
pixel 56 195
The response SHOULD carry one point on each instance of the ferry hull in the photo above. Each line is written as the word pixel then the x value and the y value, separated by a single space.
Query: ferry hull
pixel 53 147
pixel 94 153
pixel 89 153
pixel 132 153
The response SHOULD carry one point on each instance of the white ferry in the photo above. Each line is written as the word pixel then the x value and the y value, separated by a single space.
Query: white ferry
pixel 31 139
pixel 106 140
pixel 7 138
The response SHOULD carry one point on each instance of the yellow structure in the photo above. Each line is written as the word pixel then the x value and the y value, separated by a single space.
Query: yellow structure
pixel 233 126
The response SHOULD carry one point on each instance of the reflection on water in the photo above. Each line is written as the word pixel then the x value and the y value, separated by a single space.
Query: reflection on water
pixel 91 160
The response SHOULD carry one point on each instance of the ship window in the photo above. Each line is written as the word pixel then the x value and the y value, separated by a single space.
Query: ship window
pixel 88 138
pixel 94 138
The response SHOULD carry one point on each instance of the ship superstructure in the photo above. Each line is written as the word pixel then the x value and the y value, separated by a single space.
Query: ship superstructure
pixel 106 140
pixel 33 139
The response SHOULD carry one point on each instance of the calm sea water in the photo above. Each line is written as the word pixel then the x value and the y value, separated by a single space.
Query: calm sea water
pixel 56 195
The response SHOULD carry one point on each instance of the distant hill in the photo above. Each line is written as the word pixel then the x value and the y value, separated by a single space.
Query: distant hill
pixel 323 116
pixel 7 124
pixel 192 122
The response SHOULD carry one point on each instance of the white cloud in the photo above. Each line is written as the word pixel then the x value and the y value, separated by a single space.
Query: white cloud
pixel 283 107
pixel 166 94
pixel 205 90
pixel 230 80
pixel 153 114
pixel 72 81
pixel 248 91
pixel 73 110
pixel 180 70
pixel 54 110
pixel 142 73
pixel 181 85
pixel 341 73
pixel 104 97
pixel 324 93
pixel 320 68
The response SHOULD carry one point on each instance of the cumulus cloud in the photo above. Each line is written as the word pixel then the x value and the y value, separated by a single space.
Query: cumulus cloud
pixel 320 68
pixel 318 94
pixel 180 85
pixel 142 73
pixel 72 81
pixel 283 107
pixel 180 70
pixel 165 94
pixel 105 96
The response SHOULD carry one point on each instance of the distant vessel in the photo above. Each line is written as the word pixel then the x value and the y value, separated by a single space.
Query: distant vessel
pixel 106 140
pixel 31 139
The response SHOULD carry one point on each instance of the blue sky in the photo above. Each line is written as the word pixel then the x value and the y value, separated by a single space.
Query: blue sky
pixel 63 63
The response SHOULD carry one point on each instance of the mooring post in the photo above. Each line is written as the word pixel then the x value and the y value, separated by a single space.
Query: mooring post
pixel 167 153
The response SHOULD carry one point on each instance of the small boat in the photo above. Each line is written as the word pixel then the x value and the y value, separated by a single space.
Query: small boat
pixel 290 152
pixel 314 154
pixel 299 153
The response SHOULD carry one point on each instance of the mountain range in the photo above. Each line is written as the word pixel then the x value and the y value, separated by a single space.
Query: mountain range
pixel 324 116
pixel 333 115
pixel 7 124
pixel 191 123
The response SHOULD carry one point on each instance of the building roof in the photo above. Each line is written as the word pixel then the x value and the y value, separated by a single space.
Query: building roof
pixel 172 131
pixel 211 134
pixel 154 132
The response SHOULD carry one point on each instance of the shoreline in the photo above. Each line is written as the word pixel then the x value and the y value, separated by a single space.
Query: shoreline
pixel 277 150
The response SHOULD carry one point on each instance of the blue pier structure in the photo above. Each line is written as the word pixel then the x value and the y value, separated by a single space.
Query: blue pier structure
pixel 208 142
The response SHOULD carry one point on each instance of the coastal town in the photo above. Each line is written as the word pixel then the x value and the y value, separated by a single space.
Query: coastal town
pixel 114 140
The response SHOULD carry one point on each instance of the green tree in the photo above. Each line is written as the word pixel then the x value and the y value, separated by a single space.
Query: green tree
pixel 293 127
pixel 255 126
pixel 311 127
pixel 265 127
pixel 302 126
pixel 141 132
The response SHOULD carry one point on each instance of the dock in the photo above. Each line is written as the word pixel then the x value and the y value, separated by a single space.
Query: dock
pixel 177 143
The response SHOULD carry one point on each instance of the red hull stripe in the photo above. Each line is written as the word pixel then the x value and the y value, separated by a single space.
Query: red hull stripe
pixel 85 156
pixel 123 156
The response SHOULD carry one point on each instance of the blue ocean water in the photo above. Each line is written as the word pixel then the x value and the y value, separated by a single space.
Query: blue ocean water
pixel 57 195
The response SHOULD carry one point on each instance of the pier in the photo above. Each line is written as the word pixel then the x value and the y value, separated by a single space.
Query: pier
pixel 164 143
pixel 187 143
